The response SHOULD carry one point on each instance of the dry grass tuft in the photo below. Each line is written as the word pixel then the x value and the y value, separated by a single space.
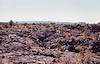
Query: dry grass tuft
pixel 83 57
pixel 4 61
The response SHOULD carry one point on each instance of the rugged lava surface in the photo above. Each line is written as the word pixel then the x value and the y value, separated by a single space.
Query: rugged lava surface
pixel 49 44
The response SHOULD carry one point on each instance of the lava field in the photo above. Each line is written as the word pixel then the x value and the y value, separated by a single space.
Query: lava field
pixel 50 43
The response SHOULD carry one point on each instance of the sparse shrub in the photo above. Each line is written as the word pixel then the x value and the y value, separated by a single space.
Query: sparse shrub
pixel 33 23
pixel 11 23
pixel 87 31
pixel 84 55
pixel 66 60
pixel 25 24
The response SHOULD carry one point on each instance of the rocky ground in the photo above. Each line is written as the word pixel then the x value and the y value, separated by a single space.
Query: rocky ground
pixel 49 44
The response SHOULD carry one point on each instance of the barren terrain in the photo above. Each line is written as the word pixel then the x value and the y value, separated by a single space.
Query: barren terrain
pixel 49 43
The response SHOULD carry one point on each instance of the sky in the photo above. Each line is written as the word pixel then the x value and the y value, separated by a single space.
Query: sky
pixel 50 10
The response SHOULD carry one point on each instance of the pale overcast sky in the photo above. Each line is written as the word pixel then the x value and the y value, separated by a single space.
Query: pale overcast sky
pixel 51 10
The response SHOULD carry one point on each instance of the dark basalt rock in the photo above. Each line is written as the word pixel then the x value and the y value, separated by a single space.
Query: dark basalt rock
pixel 95 28
pixel 96 47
